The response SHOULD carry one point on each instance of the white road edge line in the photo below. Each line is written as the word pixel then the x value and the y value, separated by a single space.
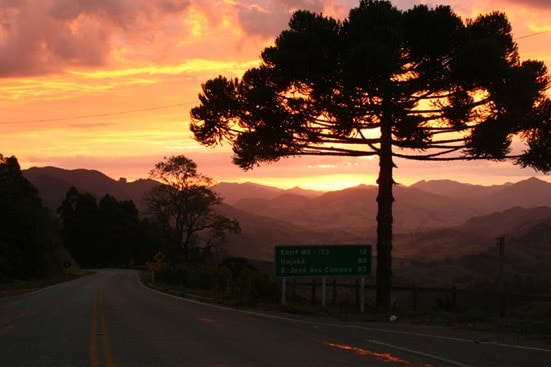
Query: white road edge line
pixel 346 325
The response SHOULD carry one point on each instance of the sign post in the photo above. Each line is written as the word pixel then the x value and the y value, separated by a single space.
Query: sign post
pixel 66 265
pixel 157 265
pixel 322 261
pixel 283 291
pixel 362 294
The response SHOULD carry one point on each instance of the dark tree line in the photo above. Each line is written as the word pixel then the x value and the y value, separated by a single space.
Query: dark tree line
pixel 28 233
pixel 107 233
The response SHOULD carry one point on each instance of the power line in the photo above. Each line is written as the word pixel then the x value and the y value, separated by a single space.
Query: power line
pixel 531 35
pixel 162 107
pixel 96 115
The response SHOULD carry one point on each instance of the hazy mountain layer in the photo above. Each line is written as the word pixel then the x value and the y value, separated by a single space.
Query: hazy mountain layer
pixel 445 231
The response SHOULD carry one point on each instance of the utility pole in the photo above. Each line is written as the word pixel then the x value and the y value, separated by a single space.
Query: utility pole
pixel 501 280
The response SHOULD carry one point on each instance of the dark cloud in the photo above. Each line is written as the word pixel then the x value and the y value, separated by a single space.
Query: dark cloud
pixel 269 18
pixel 44 36
pixel 543 4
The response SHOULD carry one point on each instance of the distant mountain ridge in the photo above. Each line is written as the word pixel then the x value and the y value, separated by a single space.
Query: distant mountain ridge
pixel 53 183
pixel 434 221
pixel 233 192
pixel 414 209
pixel 423 206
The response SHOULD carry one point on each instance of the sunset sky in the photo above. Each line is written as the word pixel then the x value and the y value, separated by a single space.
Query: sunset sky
pixel 108 84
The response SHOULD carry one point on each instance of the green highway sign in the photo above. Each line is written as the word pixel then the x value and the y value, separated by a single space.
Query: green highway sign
pixel 322 261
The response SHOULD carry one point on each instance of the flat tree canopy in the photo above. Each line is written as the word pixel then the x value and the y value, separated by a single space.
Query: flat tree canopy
pixel 420 84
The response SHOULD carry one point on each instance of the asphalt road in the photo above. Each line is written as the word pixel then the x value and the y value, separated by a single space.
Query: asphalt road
pixel 111 319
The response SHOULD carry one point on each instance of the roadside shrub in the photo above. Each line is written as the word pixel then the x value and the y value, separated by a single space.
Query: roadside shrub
pixel 177 274
pixel 223 278
pixel 236 265
pixel 252 286
pixel 202 277
pixel 257 287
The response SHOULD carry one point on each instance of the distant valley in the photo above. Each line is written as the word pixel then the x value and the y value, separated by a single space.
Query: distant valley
pixel 444 230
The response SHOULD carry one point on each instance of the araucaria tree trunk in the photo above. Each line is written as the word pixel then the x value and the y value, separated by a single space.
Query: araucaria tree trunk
pixel 385 200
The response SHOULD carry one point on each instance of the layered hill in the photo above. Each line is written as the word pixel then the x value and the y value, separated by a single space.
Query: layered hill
pixel 422 206
pixel 53 183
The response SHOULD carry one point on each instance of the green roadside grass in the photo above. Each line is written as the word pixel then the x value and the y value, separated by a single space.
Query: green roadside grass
pixel 479 320
pixel 17 287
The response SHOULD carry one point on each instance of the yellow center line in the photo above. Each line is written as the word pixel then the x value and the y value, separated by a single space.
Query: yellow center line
pixel 98 314
pixel 94 333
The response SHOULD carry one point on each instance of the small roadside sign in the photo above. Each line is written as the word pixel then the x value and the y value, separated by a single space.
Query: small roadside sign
pixel 159 257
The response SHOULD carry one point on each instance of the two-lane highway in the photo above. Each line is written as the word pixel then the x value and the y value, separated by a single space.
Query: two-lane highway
pixel 110 319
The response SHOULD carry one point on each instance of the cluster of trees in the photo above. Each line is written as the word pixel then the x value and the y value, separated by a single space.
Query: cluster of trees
pixel 180 220
pixel 420 84
pixel 28 234
pixel 108 233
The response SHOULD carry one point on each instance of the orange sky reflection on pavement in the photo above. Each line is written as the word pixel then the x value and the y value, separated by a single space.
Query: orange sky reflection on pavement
pixel 384 357
pixel 108 85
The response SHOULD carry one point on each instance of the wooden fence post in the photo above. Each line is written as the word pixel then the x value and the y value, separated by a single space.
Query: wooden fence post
pixel 334 291
pixel 313 291
pixel 362 295
pixel 414 296
pixel 283 291
pixel 357 293
pixel 323 291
